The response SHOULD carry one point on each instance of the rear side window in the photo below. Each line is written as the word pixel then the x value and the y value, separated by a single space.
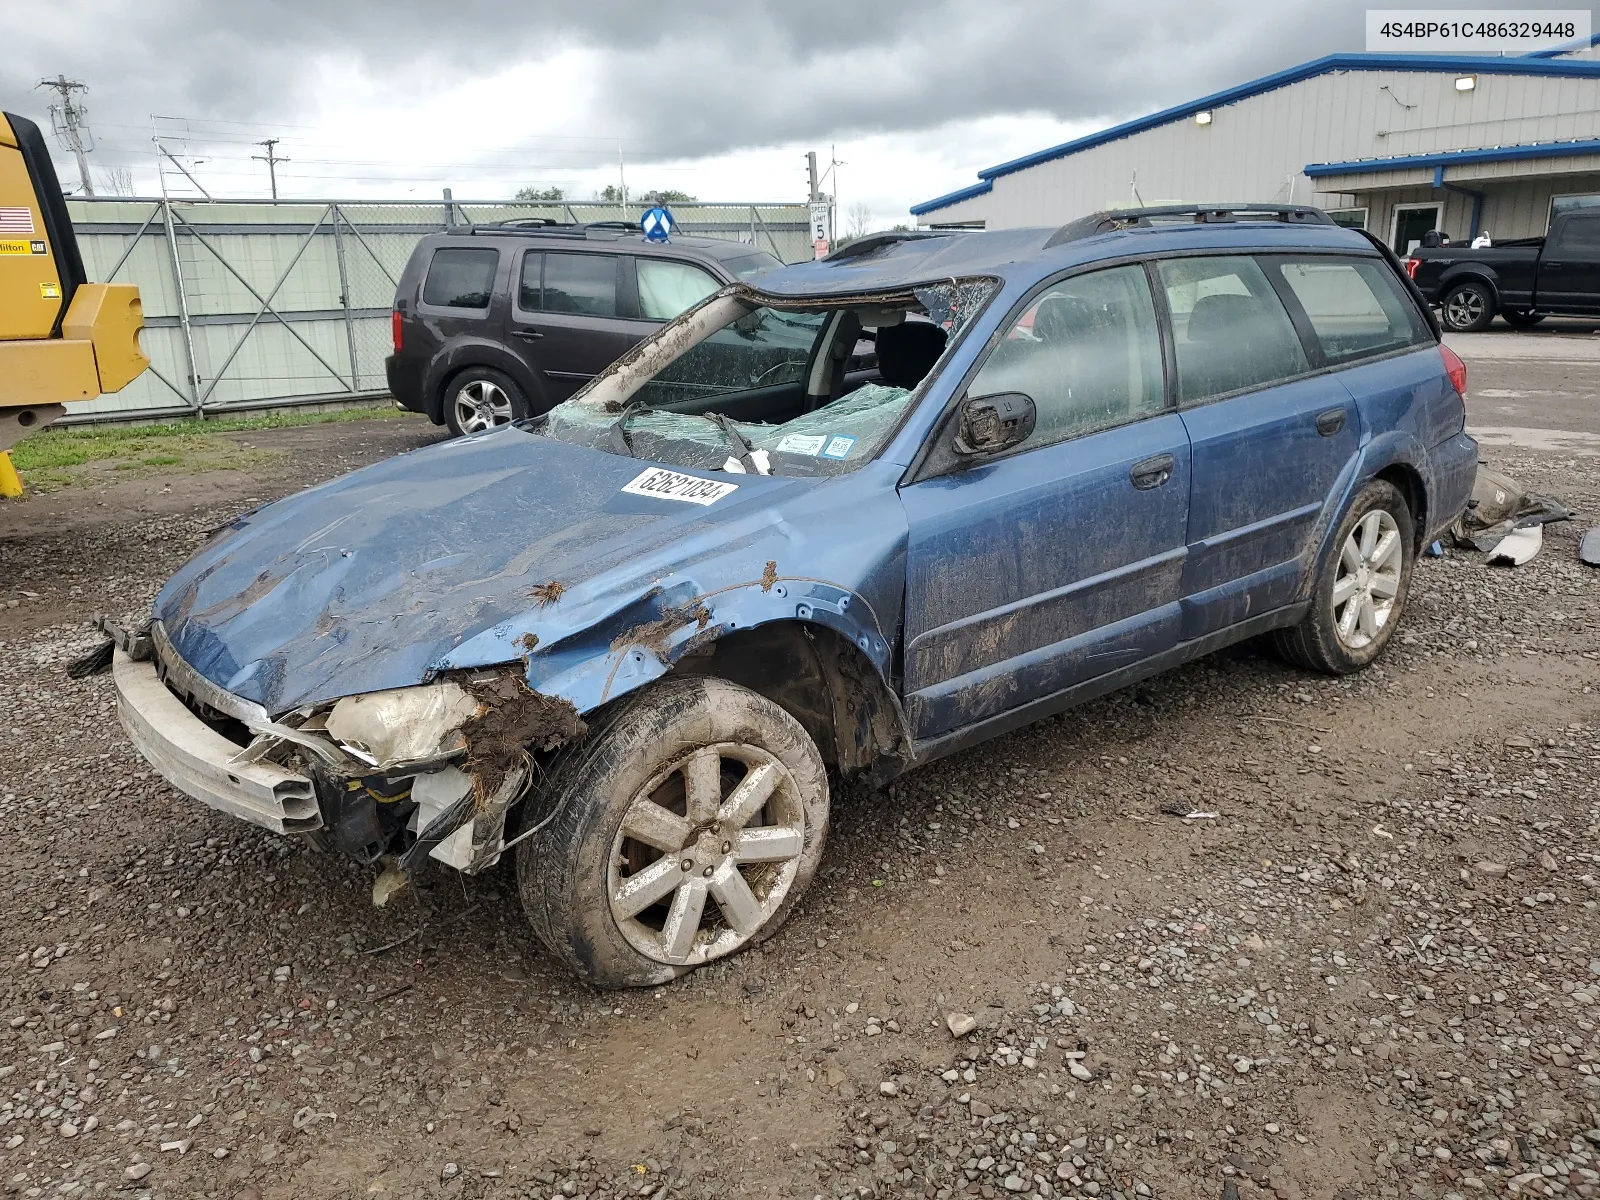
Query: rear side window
pixel 1580 235
pixel 1231 330
pixel 1088 352
pixel 1354 305
pixel 461 278
pixel 668 288
pixel 580 283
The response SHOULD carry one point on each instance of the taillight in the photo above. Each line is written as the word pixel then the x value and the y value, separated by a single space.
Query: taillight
pixel 1456 369
pixel 1411 266
pixel 397 330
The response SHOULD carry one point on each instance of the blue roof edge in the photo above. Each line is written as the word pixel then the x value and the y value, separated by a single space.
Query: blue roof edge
pixel 1446 158
pixel 1465 64
pixel 1580 44
pixel 949 198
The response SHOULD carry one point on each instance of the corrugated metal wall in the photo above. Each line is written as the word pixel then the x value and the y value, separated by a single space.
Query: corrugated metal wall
pixel 252 303
pixel 1257 149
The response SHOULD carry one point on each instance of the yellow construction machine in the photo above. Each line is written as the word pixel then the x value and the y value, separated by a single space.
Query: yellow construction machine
pixel 62 338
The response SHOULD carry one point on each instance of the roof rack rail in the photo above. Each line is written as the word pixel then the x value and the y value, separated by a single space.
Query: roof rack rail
pixel 1199 214
pixel 546 227
pixel 877 241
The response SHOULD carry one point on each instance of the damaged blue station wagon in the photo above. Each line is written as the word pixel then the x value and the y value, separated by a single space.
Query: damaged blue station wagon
pixel 842 519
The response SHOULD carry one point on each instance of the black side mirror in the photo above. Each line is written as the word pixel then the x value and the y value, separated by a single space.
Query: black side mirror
pixel 990 424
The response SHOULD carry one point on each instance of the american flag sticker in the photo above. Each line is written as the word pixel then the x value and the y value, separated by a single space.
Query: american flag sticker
pixel 16 220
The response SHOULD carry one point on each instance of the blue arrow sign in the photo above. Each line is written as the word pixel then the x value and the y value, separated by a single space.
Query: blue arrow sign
pixel 657 224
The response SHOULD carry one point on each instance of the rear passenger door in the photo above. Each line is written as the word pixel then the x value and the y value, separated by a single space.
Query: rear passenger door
pixel 1569 268
pixel 567 317
pixel 1271 438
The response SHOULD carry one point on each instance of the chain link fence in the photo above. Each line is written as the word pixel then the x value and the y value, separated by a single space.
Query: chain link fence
pixel 252 304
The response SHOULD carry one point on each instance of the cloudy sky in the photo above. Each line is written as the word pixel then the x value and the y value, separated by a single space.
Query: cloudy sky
pixel 398 98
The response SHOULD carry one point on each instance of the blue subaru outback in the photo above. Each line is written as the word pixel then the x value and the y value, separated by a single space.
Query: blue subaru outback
pixel 837 521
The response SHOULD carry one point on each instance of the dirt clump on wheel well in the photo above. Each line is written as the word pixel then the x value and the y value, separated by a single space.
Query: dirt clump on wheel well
pixel 513 720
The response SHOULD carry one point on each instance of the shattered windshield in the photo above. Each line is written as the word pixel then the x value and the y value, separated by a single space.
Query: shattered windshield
pixel 745 388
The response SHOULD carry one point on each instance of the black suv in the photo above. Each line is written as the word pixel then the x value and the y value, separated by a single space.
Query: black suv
pixel 497 322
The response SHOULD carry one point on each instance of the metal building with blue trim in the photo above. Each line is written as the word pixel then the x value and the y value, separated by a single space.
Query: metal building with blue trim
pixel 1399 144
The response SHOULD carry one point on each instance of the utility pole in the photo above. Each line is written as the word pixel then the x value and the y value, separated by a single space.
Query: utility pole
pixel 811 172
pixel 71 123
pixel 272 159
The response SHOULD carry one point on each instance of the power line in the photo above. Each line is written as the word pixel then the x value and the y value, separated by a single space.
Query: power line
pixel 272 160
pixel 70 122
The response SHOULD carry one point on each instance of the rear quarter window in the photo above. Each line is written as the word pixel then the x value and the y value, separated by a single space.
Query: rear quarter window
pixel 1355 306
pixel 459 277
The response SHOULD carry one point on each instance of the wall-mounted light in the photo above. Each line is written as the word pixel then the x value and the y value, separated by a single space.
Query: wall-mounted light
pixel 1465 83
pixel 1202 118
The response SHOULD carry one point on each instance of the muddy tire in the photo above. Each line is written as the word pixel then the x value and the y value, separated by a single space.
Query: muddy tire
pixel 1361 590
pixel 481 398
pixel 687 826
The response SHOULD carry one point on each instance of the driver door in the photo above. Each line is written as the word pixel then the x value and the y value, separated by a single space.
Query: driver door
pixel 1059 561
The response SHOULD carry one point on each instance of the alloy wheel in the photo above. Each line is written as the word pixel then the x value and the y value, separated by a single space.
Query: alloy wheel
pixel 706 853
pixel 482 404
pixel 1367 586
pixel 1463 308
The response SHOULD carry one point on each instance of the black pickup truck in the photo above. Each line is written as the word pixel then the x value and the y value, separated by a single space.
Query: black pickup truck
pixel 1522 280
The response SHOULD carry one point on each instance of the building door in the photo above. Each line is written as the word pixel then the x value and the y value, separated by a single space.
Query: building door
pixel 1411 221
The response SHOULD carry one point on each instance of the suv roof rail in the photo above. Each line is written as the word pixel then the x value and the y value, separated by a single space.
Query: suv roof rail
pixel 877 241
pixel 1112 220
pixel 546 227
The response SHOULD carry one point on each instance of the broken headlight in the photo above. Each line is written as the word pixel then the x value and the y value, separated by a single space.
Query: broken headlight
pixel 404 725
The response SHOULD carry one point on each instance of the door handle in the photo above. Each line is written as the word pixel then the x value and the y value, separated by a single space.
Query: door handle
pixel 527 335
pixel 1152 472
pixel 1330 422
pixel 1550 266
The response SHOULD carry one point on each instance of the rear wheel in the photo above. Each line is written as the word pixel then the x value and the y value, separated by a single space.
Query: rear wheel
pixel 481 398
pixel 1361 591
pixel 1467 308
pixel 1522 318
pixel 688 827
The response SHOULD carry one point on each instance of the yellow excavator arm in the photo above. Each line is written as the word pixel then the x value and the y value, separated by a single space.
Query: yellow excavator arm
pixel 62 338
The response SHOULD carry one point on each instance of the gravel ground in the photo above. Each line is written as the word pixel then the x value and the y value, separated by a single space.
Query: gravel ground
pixel 1374 972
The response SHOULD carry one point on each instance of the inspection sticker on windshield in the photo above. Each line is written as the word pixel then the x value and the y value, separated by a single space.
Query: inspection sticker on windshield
pixel 839 446
pixel 669 485
pixel 802 443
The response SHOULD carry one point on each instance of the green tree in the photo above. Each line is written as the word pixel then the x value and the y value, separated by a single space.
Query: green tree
pixel 533 193
pixel 666 196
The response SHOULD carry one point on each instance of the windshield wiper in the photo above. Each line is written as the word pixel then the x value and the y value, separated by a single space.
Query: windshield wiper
pixel 620 441
pixel 746 455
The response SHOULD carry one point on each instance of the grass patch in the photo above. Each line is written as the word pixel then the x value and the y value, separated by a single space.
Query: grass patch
pixel 190 444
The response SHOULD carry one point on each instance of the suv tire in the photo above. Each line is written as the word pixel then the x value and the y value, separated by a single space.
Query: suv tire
pixel 654 861
pixel 1361 589
pixel 1467 307
pixel 480 398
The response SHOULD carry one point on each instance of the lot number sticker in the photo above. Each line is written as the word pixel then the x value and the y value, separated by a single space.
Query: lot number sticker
pixel 839 446
pixel 669 485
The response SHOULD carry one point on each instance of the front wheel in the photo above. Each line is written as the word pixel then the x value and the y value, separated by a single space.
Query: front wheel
pixel 1467 308
pixel 1522 318
pixel 686 828
pixel 481 398
pixel 1361 590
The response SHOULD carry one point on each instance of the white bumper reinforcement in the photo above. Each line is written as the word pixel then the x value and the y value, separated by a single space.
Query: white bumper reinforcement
pixel 196 759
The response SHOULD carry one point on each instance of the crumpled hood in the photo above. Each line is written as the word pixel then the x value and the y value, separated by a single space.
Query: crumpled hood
pixel 369 581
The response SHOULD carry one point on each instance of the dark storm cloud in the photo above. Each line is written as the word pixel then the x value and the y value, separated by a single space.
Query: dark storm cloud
pixel 684 78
